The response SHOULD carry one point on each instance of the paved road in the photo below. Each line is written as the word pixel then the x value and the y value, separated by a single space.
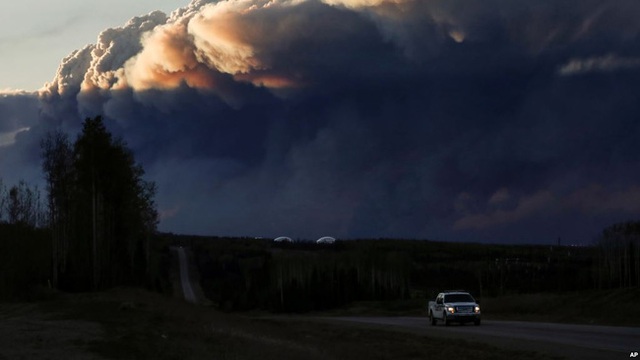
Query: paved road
pixel 571 341
pixel 187 289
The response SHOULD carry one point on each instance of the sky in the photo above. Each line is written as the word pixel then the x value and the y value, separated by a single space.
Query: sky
pixel 32 43
pixel 494 121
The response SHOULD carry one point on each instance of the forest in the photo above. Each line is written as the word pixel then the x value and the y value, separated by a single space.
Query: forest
pixel 245 273
pixel 92 230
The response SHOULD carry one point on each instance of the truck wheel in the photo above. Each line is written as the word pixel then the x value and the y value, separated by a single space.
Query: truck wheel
pixel 433 320
pixel 446 321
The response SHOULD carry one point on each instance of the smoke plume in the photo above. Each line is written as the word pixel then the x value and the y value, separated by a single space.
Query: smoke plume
pixel 456 120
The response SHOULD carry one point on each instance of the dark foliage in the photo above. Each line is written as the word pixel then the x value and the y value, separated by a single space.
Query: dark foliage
pixel 101 211
pixel 98 225
pixel 21 204
pixel 619 255
pixel 25 260
pixel 242 274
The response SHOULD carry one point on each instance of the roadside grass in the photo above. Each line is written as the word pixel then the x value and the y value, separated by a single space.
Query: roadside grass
pixel 410 307
pixel 141 325
pixel 620 307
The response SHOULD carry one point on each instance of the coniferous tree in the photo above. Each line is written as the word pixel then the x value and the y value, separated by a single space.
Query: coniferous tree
pixel 99 200
pixel 118 205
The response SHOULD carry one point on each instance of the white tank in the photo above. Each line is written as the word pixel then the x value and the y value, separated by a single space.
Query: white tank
pixel 282 239
pixel 326 240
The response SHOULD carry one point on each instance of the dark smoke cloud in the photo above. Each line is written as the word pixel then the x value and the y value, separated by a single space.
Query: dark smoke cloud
pixel 457 120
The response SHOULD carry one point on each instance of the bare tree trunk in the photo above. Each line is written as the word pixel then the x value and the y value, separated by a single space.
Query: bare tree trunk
pixel 281 283
pixel 55 254
pixel 94 233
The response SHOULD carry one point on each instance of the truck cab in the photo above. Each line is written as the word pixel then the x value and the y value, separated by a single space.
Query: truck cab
pixel 454 306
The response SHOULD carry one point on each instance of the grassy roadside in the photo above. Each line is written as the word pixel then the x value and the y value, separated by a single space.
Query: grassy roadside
pixel 135 324
pixel 598 307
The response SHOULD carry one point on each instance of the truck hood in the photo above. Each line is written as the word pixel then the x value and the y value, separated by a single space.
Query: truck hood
pixel 461 304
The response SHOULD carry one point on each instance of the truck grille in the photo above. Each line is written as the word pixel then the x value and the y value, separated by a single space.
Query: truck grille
pixel 464 309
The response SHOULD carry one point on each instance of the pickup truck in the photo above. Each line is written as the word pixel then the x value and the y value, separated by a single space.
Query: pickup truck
pixel 454 306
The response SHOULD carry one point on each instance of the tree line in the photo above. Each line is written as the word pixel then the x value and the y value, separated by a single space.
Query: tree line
pixel 244 273
pixel 619 255
pixel 98 212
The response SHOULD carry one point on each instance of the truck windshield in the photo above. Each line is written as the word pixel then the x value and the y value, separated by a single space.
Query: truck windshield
pixel 452 298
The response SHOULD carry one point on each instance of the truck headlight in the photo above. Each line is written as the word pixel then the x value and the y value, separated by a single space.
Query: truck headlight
pixel 477 309
pixel 451 309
